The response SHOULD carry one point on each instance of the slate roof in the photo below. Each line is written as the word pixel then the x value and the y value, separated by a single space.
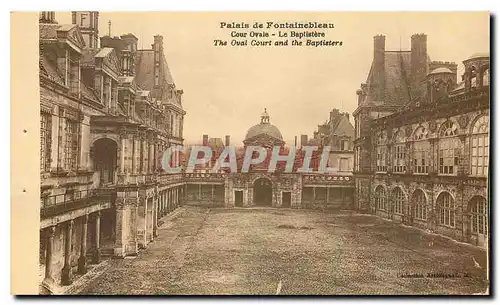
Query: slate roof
pixel 397 76
pixel 144 70
pixel 49 69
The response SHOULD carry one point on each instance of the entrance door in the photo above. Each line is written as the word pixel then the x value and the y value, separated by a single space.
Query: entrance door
pixel 287 199
pixel 262 192
pixel 478 210
pixel 238 198
pixel 105 159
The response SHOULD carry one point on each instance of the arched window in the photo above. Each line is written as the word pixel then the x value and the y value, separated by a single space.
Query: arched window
pixel 399 153
pixel 486 77
pixel 381 152
pixel 480 146
pixel 446 209
pixel 479 215
pixel 421 149
pixel 449 148
pixel 380 198
pixel 419 205
pixel 398 199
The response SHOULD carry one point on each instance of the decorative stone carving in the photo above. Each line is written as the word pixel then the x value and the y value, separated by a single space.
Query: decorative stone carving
pixel 463 121
pixel 432 126
pixel 408 131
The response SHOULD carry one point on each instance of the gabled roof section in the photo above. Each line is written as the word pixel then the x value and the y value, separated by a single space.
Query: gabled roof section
pixel 71 32
pixel 343 127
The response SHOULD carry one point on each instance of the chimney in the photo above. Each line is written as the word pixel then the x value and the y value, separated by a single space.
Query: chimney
pixel 158 55
pixel 47 17
pixel 378 72
pixel 205 140
pixel 295 142
pixel 418 58
pixel 227 141
pixel 303 140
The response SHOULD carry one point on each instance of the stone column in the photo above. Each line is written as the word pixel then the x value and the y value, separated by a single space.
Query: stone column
pixel 66 274
pixel 199 192
pixel 155 215
pixel 142 219
pixel 167 202
pixel 120 230
pixel 122 153
pixel 150 217
pixel 82 260
pixel 97 238
pixel 48 281
pixel 151 157
pixel 134 154
pixel 213 199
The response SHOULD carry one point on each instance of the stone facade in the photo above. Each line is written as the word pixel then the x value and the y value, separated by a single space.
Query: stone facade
pixel 105 121
pixel 423 159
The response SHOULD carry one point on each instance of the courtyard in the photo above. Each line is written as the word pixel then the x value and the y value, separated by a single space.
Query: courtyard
pixel 271 251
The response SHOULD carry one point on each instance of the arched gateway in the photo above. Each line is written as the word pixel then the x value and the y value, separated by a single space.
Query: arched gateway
pixel 262 192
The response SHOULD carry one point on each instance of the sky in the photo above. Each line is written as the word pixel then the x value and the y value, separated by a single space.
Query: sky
pixel 227 88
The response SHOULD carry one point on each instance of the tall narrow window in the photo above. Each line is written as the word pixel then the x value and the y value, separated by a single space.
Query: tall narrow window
pixel 380 199
pixel 449 148
pixel 480 146
pixel 70 144
pixel 381 152
pixel 446 209
pixel 421 148
pixel 479 215
pixel 398 199
pixel 399 153
pixel 45 140
pixel 419 207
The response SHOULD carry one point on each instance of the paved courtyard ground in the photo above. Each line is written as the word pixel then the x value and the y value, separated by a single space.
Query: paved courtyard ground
pixel 266 250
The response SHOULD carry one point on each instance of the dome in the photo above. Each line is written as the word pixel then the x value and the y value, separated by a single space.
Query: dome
pixel 264 128
pixel 478 55
pixel 441 70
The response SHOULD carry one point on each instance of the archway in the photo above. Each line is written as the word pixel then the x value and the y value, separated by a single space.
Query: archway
pixel 262 192
pixel 105 160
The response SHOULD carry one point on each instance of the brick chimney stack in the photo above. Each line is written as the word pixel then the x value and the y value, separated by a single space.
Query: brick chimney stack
pixel 158 53
pixel 418 58
pixel 303 140
pixel 228 142
pixel 378 78
pixel 205 140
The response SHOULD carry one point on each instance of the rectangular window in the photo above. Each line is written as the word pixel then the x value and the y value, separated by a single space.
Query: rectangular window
pixel 45 140
pixel 399 154
pixel 480 155
pixel 381 156
pixel 421 158
pixel 448 156
pixel 70 144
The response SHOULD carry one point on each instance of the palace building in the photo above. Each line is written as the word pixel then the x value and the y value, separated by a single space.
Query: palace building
pixel 106 114
pixel 278 188
pixel 422 142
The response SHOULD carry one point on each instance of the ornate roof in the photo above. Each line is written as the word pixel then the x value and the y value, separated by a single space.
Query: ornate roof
pixel 264 128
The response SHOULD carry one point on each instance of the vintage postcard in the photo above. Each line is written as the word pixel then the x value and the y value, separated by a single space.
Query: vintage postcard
pixel 273 153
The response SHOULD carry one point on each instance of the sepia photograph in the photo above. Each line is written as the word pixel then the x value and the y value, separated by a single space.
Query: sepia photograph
pixel 263 153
